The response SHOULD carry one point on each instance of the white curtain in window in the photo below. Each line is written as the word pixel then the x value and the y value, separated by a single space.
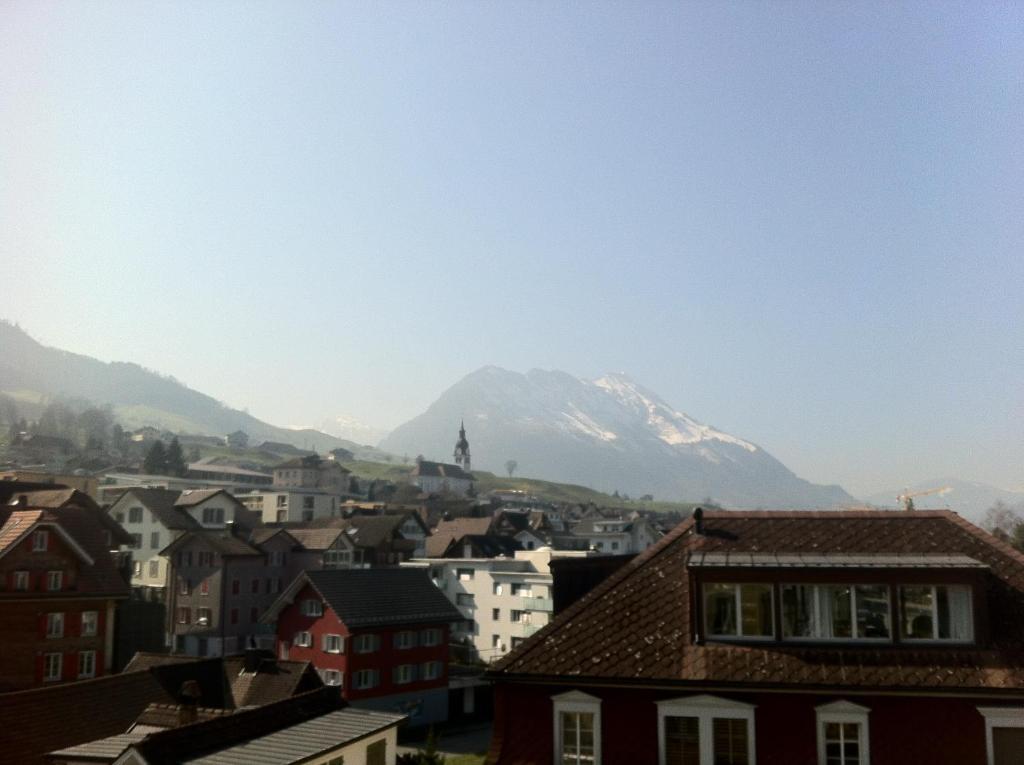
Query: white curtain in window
pixel 960 613
pixel 825 614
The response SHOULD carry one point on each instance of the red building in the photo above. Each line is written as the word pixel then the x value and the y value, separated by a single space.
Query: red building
pixel 782 638
pixel 381 635
pixel 59 585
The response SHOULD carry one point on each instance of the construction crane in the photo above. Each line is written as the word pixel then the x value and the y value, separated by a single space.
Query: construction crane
pixel 907 497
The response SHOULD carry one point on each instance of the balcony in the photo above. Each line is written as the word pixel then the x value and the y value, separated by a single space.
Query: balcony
pixel 529 629
pixel 538 604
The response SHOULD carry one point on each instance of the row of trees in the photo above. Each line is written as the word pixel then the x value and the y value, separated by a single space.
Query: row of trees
pixel 87 427
pixel 165 460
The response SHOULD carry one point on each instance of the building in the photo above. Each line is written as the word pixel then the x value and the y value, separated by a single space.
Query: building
pixel 223 581
pixel 441 478
pixel 502 600
pixel 210 469
pixel 312 472
pixel 380 635
pixel 282 505
pixel 60 584
pixel 617 536
pixel 835 638
pixel 461 453
pixel 86 484
pixel 386 540
pixel 324 548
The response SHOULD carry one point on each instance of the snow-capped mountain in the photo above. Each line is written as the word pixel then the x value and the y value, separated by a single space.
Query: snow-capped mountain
pixel 348 427
pixel 610 433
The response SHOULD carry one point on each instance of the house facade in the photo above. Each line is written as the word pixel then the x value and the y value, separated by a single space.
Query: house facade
pixel 291 505
pixel 440 478
pixel 381 636
pixel 59 587
pixel 804 638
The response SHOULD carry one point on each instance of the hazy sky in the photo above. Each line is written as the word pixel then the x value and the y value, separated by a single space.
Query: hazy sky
pixel 800 222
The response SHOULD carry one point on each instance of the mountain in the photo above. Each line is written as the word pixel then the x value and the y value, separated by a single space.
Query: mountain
pixel 348 427
pixel 610 434
pixel 968 498
pixel 31 372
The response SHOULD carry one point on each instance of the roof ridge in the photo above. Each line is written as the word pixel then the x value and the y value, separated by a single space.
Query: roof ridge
pixel 984 536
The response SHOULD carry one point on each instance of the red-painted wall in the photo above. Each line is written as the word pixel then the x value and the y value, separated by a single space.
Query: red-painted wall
pixel 902 730
pixel 384 659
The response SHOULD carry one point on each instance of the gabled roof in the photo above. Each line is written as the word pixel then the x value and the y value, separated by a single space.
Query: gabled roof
pixel 319 539
pixel 193 497
pixel 260 536
pixel 372 530
pixel 483 545
pixel 440 470
pixel 160 502
pixel 448 531
pixel 374 597
pixel 221 541
pixel 21 523
pixel 636 626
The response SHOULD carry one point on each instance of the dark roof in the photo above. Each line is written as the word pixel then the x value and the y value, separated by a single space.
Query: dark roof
pixel 191 497
pixel 307 462
pixel 636 626
pixel 260 536
pixel 221 541
pixel 161 502
pixel 45 719
pixel 484 546
pixel 448 531
pixel 440 470
pixel 372 530
pixel 317 539
pixel 383 596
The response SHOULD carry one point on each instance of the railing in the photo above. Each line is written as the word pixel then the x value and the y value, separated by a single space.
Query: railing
pixel 529 629
pixel 538 604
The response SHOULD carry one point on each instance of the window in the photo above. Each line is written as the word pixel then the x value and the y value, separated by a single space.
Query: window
pixel 86 663
pixel 205 558
pixel 312 608
pixel 254 588
pixel 522 589
pixel 204 587
pixel 307 516
pixel 367 643
pixel 234 616
pixel 738 610
pixel 303 639
pixel 136 543
pixel 54 580
pixel 496 614
pixel 52 666
pixel 236 586
pixel 254 615
pixel 136 568
pixel 498 588
pixel 90 623
pixel 430 638
pixel 282 500
pixel 307 503
pixel 40 541
pixel 184 615
pixel 465 599
pixel 154 568
pixel 835 612
pixel 334 643
pixel 277 558
pixel 154 540
pixel 577 726
pixel 404 674
pixel 615 545
pixel 464 574
pixel 365 678
pixel 119 517
pixel 21 581
pixel 184 586
pixel 495 641
pixel 1004 734
pixel 55 625
pixel 842 733
pixel 331 677
pixel 404 640
pixel 705 730
pixel 203 616
pixel 377 753
pixel 515 616
pixel 135 515
pixel 940 612
pixel 430 671
pixel 213 515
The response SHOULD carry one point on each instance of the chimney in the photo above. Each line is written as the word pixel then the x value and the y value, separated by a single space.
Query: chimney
pixel 188 702
pixel 698 520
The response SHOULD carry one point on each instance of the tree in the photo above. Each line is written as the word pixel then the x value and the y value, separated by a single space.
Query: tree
pixel 175 459
pixel 1005 523
pixel 155 462
pixel 511 466
pixel 428 755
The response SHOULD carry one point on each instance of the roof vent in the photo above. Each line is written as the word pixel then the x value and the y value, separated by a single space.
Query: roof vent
pixel 698 520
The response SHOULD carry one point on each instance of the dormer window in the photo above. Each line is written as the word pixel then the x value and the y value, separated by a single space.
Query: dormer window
pixel 738 610
pixel 937 612
pixel 835 612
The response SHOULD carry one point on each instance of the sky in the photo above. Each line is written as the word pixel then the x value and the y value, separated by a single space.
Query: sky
pixel 801 222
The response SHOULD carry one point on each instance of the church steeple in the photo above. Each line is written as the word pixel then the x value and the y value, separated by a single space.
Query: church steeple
pixel 462 448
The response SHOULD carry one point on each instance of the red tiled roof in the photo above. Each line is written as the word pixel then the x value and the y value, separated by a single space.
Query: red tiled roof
pixel 17 524
pixel 637 624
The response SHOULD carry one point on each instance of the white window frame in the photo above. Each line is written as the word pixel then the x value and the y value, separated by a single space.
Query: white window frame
pixel 405 674
pixel 55 624
pixel 844 712
pixel 330 675
pixel 430 638
pixel 580 703
pixel 21 581
pixel 90 623
pixel 935 615
pixel 405 640
pixel 40 540
pixel 312 607
pixel 303 639
pixel 430 670
pixel 54 577
pixel 706 708
pixel 999 717
pixel 854 637
pixel 91 662
pixel 327 639
pixel 738 596
pixel 49 677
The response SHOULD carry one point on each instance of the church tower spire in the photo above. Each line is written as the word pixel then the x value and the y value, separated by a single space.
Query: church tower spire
pixel 462 448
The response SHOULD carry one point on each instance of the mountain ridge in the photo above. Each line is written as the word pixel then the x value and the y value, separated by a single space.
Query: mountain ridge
pixel 611 433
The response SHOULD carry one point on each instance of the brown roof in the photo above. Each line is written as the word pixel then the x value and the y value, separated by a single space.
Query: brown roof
pixel 440 470
pixel 316 539
pixel 16 526
pixel 220 541
pixel 636 626
pixel 448 531
pixel 161 502
pixel 191 497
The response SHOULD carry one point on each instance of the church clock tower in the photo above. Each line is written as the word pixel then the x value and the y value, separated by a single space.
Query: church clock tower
pixel 462 449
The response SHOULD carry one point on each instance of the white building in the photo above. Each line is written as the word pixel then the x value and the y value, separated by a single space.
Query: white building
pixel 617 536
pixel 279 505
pixel 505 599
pixel 439 477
